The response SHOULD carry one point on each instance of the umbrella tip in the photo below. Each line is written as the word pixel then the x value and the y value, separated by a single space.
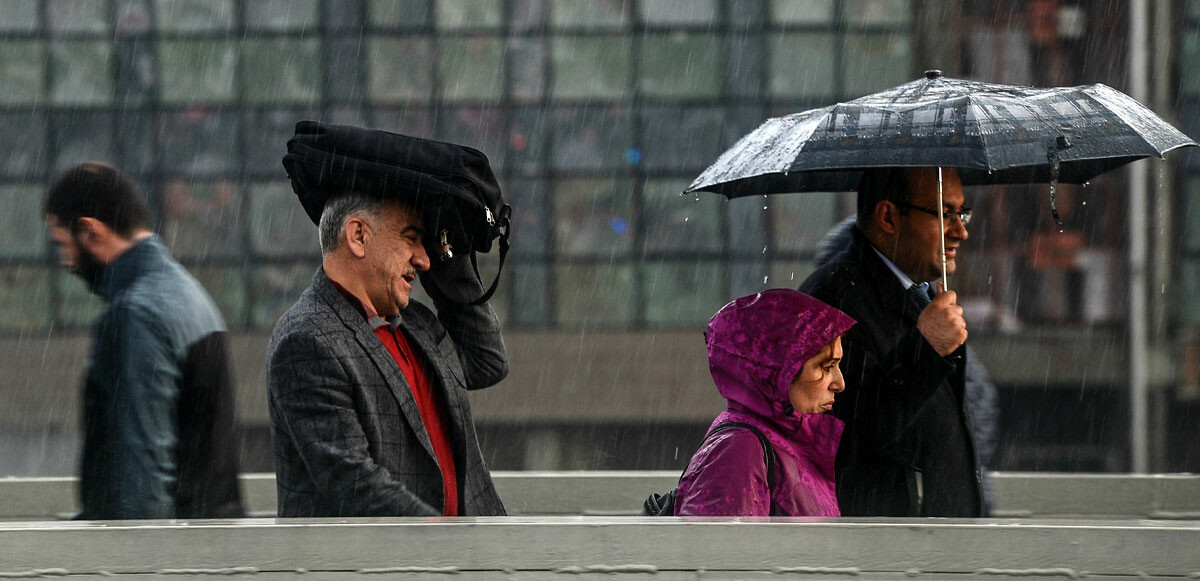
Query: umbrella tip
pixel 933 73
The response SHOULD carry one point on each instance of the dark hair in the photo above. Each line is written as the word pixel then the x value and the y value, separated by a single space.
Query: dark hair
pixel 878 185
pixel 100 191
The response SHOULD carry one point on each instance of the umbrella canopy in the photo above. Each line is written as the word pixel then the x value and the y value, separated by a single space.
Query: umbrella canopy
pixel 991 134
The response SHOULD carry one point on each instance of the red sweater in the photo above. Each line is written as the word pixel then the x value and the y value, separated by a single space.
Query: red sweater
pixel 431 407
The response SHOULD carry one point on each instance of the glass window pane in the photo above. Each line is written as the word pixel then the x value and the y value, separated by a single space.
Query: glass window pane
pixel 23 153
pixel 1190 84
pixel 281 14
pixel 531 284
pixel 1189 308
pixel 528 15
pixel 471 68
pixel 135 136
pixel 199 142
pixel 593 138
pixel 24 299
pixel 594 295
pixel 266 140
pixel 18 16
pixel 457 14
pixel 682 137
pixel 344 15
pixel 22 228
pixel 589 13
pixel 527 68
pixel 593 217
pixel 132 16
pixel 483 128
pixel 278 224
pixel 344 70
pixel 680 65
pixel 400 68
pixel 197 70
pixel 77 15
pixel 527 140
pixel 194 15
pixel 227 288
pixel 591 67
pixel 802 64
pixel 281 70
pixel 82 136
pixel 77 307
pixel 136 73
pixel 876 62
pixel 531 216
pixel 801 11
pixel 677 223
pixel 682 293
pixel 1190 222
pixel 81 73
pixel 877 12
pixel 789 273
pixel 417 121
pixel 276 289
pixel 22 66
pixel 799 221
pixel 202 219
pixel 688 12
pixel 399 13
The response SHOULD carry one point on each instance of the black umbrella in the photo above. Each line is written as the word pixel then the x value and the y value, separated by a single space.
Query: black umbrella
pixel 990 134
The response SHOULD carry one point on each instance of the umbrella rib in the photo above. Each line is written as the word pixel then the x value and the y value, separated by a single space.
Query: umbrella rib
pixel 1120 114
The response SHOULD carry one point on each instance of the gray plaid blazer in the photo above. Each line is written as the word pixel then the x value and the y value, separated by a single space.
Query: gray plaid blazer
pixel 347 435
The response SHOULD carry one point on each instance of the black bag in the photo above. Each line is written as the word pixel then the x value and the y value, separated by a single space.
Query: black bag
pixel 664 504
pixel 452 185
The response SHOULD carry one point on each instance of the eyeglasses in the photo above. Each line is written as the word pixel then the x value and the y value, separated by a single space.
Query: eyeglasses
pixel 964 215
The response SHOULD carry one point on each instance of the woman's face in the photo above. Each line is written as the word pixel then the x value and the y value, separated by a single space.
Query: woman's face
pixel 819 380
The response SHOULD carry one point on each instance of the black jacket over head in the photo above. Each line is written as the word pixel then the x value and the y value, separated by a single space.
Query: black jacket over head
pixel 906 449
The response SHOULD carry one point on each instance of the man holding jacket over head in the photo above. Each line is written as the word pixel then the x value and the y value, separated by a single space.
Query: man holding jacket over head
pixel 907 448
pixel 368 388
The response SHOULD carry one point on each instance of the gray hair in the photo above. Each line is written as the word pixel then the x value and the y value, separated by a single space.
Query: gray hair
pixel 337 211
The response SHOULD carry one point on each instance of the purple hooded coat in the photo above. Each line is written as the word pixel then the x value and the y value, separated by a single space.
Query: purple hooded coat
pixel 756 346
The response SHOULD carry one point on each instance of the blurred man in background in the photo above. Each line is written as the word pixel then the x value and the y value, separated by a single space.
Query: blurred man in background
pixel 158 412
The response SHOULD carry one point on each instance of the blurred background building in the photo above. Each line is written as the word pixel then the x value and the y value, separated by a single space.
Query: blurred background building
pixel 595 115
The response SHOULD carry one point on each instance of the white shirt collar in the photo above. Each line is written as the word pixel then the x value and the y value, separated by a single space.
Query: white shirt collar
pixel 903 278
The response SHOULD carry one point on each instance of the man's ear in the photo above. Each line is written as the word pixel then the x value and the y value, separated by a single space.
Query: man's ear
pixel 887 217
pixel 91 232
pixel 355 235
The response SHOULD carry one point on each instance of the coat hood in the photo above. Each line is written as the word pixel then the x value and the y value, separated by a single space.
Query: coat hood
pixel 758 343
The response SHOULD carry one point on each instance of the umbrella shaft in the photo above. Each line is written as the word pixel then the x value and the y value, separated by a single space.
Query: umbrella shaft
pixel 942 229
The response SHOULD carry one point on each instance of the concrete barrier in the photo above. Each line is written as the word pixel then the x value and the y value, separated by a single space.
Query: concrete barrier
pixel 1017 495
pixel 579 547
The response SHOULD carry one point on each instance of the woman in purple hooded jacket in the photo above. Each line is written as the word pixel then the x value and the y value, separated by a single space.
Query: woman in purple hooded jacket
pixel 774 356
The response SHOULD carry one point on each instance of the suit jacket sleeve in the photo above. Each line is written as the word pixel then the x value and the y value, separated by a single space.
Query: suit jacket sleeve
pixel 888 383
pixel 474 329
pixel 312 399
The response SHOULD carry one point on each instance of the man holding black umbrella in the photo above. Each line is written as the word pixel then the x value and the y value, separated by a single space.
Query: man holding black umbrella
pixel 367 387
pixel 906 449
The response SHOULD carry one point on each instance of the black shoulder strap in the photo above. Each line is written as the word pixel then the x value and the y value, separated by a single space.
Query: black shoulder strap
pixel 768 450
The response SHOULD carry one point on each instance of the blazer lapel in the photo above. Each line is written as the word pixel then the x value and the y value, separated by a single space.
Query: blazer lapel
pixel 891 293
pixel 427 345
pixel 379 354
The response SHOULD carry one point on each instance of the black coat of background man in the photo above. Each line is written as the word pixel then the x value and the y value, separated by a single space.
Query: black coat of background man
pixel 159 434
pixel 907 448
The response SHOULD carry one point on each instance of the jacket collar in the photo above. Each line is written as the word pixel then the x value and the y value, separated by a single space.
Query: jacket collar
pixel 122 272
pixel 879 277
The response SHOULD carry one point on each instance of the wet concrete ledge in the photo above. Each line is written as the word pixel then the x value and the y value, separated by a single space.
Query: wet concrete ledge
pixel 561 547
pixel 1017 495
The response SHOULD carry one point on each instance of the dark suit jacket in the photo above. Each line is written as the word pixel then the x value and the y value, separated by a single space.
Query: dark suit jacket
pixel 347 434
pixel 906 449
